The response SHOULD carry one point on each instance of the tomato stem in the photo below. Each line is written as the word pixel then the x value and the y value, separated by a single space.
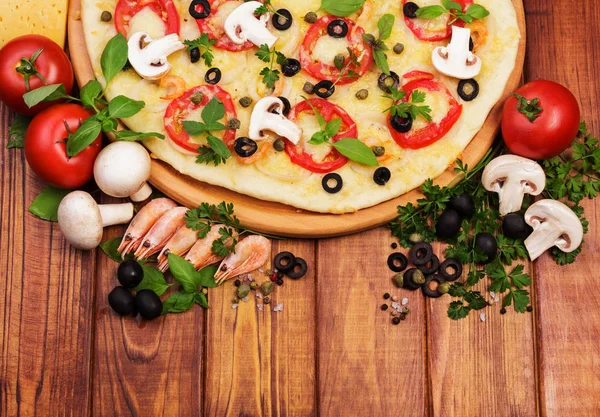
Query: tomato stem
pixel 28 69
pixel 530 108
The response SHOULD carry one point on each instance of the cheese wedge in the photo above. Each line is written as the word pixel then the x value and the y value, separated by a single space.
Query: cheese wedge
pixel 23 17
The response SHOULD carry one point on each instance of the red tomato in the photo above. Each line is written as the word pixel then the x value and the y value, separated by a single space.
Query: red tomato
pixel 52 66
pixel 544 129
pixel 417 139
pixel 180 108
pixel 420 30
pixel 165 9
pixel 329 111
pixel 46 148
pixel 214 28
pixel 417 75
pixel 328 71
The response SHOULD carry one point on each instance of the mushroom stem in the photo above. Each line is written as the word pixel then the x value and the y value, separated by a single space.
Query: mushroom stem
pixel 115 213
pixel 542 239
pixel 142 194
pixel 511 198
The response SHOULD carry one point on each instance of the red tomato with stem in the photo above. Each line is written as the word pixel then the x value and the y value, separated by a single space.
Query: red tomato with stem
pixel 165 9
pixel 213 26
pixel 420 27
pixel 46 147
pixel 540 120
pixel 29 62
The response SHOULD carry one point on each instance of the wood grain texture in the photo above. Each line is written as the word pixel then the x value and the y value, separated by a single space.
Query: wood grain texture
pixel 46 319
pixel 568 313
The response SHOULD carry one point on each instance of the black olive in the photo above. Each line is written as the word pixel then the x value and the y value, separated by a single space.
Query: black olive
pixel 451 264
pixel 121 301
pixel 430 292
pixel 130 274
pixel 291 67
pixel 324 89
pixel 421 253
pixel 463 204
pixel 410 10
pixel 194 55
pixel 282 20
pixel 471 44
pixel 213 76
pixel 337 28
pixel 245 147
pixel 397 262
pixel 335 178
pixel 127 66
pixel 468 90
pixel 387 82
pixel 382 175
pixel 514 226
pixel 430 267
pixel 402 124
pixel 299 270
pixel 148 304
pixel 284 261
pixel 287 107
pixel 448 225
pixel 412 275
pixel 205 9
pixel 487 243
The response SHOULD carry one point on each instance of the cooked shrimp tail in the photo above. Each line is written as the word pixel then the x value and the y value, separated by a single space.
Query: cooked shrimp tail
pixel 250 254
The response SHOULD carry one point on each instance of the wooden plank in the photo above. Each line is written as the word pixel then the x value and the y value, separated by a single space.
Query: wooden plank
pixel 367 366
pixel 46 319
pixel 262 363
pixel 144 368
pixel 567 51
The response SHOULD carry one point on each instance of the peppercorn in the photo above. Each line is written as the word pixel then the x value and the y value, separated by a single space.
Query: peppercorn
pixel 273 277
pixel 279 282
pixel 384 307
pixel 311 17
pixel 308 88
pixel 267 287
pixel 254 285
pixel 245 102
pixel 235 301
pixel 267 300
pixel 405 310
pixel 380 151
pixel 396 321
pixel 398 48
pixel 394 313
pixel 280 274
pixel 237 283
pixel 197 98
pixel 362 94
pixel 279 145
pixel 491 302
pixel 503 310
pixel 386 296
pixel 394 245
pixel 398 280
pixel 243 291
pixel 106 16
pixel 234 124
pixel 394 298
pixel 402 316
pixel 529 309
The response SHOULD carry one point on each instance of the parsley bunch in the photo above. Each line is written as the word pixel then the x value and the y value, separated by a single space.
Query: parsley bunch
pixel 270 75
pixel 405 108
pixel 385 26
pixel 455 10
pixel 204 44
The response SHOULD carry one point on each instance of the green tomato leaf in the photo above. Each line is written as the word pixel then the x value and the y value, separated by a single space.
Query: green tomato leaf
pixel 122 107
pixel 341 8
pixel 183 272
pixel 477 11
pixel 16 132
pixel 385 26
pixel 357 151
pixel 218 146
pixel 45 205
pixel 45 94
pixel 90 93
pixel 128 135
pixel 430 12
pixel 213 111
pixel 114 57
pixel 153 280
pixel 84 136
pixel 180 302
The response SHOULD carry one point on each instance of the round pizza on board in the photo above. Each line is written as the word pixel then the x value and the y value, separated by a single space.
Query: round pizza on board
pixel 327 106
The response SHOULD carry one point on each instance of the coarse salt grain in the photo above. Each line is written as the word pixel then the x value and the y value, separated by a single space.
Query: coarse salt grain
pixel 395 305
pixel 245 299
pixel 279 307
pixel 404 301
pixel 234 306
pixel 259 296
pixel 259 307
pixel 492 294
pixel 250 278
pixel 482 316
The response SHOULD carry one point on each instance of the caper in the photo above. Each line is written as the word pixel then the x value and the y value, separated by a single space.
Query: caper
pixel 245 102
pixel 444 287
pixel 267 300
pixel 370 39
pixel 197 98
pixel 398 279
pixel 339 61
pixel 267 287
pixel 243 291
pixel 415 238
pixel 311 17
pixel 378 150
pixel 418 277
pixel 398 48
pixel 405 310
pixel 106 16
pixel 234 124
pixel 279 145
pixel 309 88
pixel 253 285
pixel 362 94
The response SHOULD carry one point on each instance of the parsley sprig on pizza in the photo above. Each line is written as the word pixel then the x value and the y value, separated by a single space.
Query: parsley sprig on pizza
pixel 411 108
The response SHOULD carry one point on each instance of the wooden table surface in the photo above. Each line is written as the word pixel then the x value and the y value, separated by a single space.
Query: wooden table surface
pixel 331 352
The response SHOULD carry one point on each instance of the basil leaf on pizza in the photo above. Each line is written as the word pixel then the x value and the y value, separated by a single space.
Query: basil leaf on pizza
pixel 357 151
pixel 341 8
pixel 114 57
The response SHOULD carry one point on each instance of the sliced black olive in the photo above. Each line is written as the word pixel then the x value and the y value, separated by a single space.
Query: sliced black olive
pixel 382 175
pixel 205 9
pixel 148 304
pixel 410 10
pixel 213 76
pixel 194 55
pixel 121 301
pixel 284 261
pixel 337 29
pixel 245 147
pixel 282 20
pixel 291 67
pixel 130 274
pixel 421 253
pixel 127 66
pixel 463 204
pixel 514 226
pixel 471 44
pixel 287 106
pixel 487 243
pixel 448 225
pixel 387 82
pixel 468 90
pixel 402 124
pixel 324 89
pixel 336 179
pixel 454 266
pixel 430 267
pixel 299 270
pixel 431 292
pixel 397 262
pixel 413 279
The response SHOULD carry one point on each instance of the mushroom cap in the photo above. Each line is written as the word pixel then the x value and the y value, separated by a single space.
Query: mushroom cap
pixel 148 57
pixel 80 221
pixel 244 15
pixel 455 60
pixel 264 106
pixel 528 173
pixel 122 168
pixel 562 218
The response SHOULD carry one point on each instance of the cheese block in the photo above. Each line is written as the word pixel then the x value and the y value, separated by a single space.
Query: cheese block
pixel 23 17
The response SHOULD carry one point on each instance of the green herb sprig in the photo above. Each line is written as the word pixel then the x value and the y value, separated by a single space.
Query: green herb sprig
pixel 16 132
pixel 204 45
pixel 341 8
pixel 385 26
pixel 270 75
pixel 343 65
pixel 455 10
pixel 410 108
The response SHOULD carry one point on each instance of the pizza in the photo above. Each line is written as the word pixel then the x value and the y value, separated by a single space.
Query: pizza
pixel 327 106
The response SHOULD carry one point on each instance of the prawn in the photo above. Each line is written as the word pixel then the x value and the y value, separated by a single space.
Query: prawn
pixel 159 234
pixel 250 254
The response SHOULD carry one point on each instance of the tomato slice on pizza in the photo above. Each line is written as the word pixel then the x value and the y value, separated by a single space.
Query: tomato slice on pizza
pixel 434 29
pixel 213 25
pixel 165 9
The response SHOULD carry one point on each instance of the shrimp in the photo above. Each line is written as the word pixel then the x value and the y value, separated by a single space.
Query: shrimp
pixel 142 222
pixel 201 254
pixel 175 82
pixel 158 236
pixel 250 254
pixel 179 245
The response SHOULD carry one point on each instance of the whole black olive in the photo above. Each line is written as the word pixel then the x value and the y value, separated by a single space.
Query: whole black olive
pixel 487 243
pixel 130 274
pixel 324 89
pixel 514 226
pixel 282 20
pixel 194 55
pixel 410 10
pixel 387 82
pixel 287 107
pixel 402 124
pixel 148 304
pixel 337 29
pixel 291 67
pixel 121 301
pixel 245 147
pixel 448 225
pixel 463 204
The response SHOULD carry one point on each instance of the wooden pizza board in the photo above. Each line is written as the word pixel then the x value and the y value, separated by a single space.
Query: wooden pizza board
pixel 280 219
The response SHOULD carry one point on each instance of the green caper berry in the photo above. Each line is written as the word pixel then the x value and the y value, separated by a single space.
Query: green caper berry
pixel 197 98
pixel 444 287
pixel 245 102
pixel 378 150
pixel 311 17
pixel 106 16
pixel 308 88
pixel 234 124
pixel 418 277
pixel 243 291
pixel 362 94
pixel 398 280
pixel 267 288
pixel 279 145
pixel 405 310
pixel 398 48
pixel 339 61
pixel 254 285
pixel 267 300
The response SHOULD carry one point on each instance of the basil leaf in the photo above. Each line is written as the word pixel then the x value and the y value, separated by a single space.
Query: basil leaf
pixel 477 11
pixel 128 135
pixel 213 111
pixel 45 94
pixel 84 136
pixel 385 26
pixel 332 127
pixel 430 12
pixel 218 146
pixel 201 299
pixel 153 280
pixel 45 205
pixel 183 272
pixel 180 302
pixel 109 125
pixel 122 107
pixel 110 249
pixel 381 61
pixel 16 132
pixel 90 92
pixel 194 128
pixel 341 8
pixel 318 138
pixel 357 151
pixel 452 5
pixel 206 277
pixel 114 57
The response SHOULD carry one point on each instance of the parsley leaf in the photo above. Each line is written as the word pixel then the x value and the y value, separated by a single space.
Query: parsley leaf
pixel 216 151
pixel 270 75
pixel 204 44
pixel 403 108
